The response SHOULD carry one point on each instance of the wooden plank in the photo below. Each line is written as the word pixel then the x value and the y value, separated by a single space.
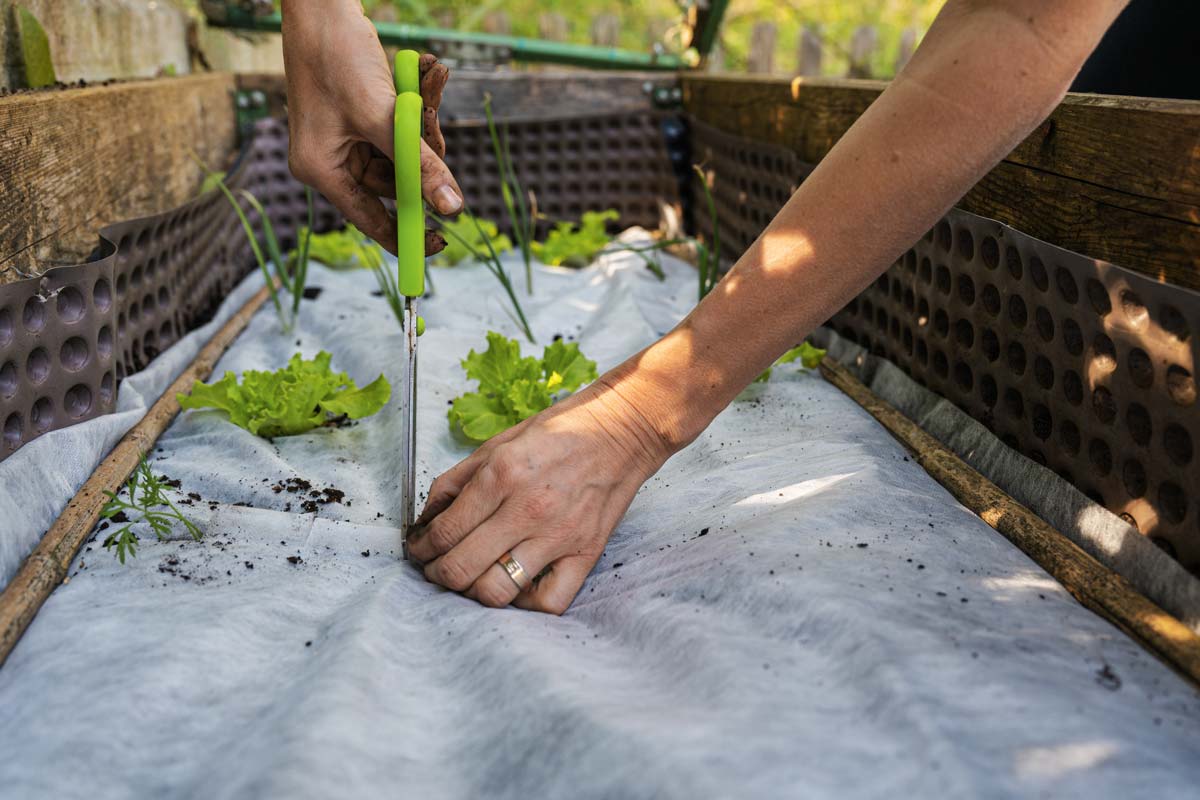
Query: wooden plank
pixel 1091 583
pixel 1111 177
pixel 74 160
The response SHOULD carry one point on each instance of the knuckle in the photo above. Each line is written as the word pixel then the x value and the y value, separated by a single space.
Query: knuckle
pixel 442 534
pixel 440 486
pixel 452 573
pixel 492 595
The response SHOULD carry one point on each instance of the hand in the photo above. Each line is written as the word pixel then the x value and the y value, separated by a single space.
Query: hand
pixel 341 100
pixel 549 490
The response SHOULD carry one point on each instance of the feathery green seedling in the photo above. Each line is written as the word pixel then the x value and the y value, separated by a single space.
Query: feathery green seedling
pixel 491 260
pixel 148 502
pixel 520 213
pixel 709 261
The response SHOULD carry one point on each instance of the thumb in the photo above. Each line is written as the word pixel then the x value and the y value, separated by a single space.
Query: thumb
pixel 438 186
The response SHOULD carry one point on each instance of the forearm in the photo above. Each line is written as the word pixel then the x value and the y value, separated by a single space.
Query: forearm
pixel 986 75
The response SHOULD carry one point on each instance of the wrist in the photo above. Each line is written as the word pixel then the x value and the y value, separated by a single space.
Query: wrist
pixel 669 395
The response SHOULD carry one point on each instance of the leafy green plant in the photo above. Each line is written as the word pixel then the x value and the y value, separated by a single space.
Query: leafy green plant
pixel 808 355
pixel 292 280
pixel 576 246
pixel 513 388
pixel 348 248
pixel 469 236
pixel 303 395
pixel 521 214
pixel 490 259
pixel 148 502
pixel 35 51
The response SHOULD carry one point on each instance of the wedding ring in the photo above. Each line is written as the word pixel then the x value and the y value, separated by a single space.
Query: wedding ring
pixel 514 570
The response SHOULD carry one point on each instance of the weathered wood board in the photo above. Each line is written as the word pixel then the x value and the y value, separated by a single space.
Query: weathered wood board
pixel 1112 178
pixel 74 160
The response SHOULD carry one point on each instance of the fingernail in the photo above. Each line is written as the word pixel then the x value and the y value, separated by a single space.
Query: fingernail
pixel 447 200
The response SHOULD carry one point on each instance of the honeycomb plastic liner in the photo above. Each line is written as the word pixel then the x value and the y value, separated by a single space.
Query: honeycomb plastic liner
pixel 1083 366
pixel 791 608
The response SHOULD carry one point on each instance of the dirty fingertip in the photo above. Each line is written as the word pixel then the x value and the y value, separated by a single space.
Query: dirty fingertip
pixel 447 200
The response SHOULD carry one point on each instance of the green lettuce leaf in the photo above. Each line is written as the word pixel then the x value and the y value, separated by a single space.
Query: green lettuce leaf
pixel 301 396
pixel 565 245
pixel 808 356
pixel 513 387
pixel 348 248
pixel 463 240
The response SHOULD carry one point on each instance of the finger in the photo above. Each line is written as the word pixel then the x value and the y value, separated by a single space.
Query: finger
pixel 431 130
pixel 433 80
pixel 450 483
pixel 496 589
pixel 554 590
pixel 477 501
pixel 434 243
pixel 438 186
pixel 361 208
pixel 434 76
pixel 469 559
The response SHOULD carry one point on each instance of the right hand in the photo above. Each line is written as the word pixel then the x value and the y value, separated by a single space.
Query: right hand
pixel 340 107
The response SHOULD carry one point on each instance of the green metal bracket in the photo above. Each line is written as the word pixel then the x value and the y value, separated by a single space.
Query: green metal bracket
pixel 516 47
pixel 251 106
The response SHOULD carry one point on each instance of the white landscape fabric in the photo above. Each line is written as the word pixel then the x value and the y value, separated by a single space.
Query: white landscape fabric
pixel 791 608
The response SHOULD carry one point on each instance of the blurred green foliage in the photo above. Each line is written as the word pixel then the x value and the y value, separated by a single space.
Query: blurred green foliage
pixel 644 23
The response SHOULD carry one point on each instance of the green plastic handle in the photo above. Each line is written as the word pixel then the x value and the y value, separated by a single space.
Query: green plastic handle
pixel 410 211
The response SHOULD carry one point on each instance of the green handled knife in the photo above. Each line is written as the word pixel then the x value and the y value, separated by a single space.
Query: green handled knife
pixel 410 254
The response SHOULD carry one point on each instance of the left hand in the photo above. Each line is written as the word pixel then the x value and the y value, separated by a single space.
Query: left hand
pixel 549 491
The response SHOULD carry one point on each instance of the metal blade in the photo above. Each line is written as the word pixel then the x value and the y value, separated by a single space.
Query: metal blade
pixel 408 437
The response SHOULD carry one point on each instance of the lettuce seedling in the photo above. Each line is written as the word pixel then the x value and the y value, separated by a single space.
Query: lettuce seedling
pixel 513 388
pixel 576 247
pixel 808 356
pixel 348 248
pixel 302 396
pixel 469 238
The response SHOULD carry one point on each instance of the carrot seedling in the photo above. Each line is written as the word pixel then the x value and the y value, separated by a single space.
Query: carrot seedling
pixel 148 502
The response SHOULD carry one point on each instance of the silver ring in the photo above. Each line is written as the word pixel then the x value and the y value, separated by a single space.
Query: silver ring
pixel 514 570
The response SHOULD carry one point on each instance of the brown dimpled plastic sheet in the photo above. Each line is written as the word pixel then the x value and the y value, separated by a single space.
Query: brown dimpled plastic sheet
pixel 68 337
pixel 1081 365
pixel 572 165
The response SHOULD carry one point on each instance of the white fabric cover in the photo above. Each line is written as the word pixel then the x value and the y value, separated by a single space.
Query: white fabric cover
pixel 842 628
